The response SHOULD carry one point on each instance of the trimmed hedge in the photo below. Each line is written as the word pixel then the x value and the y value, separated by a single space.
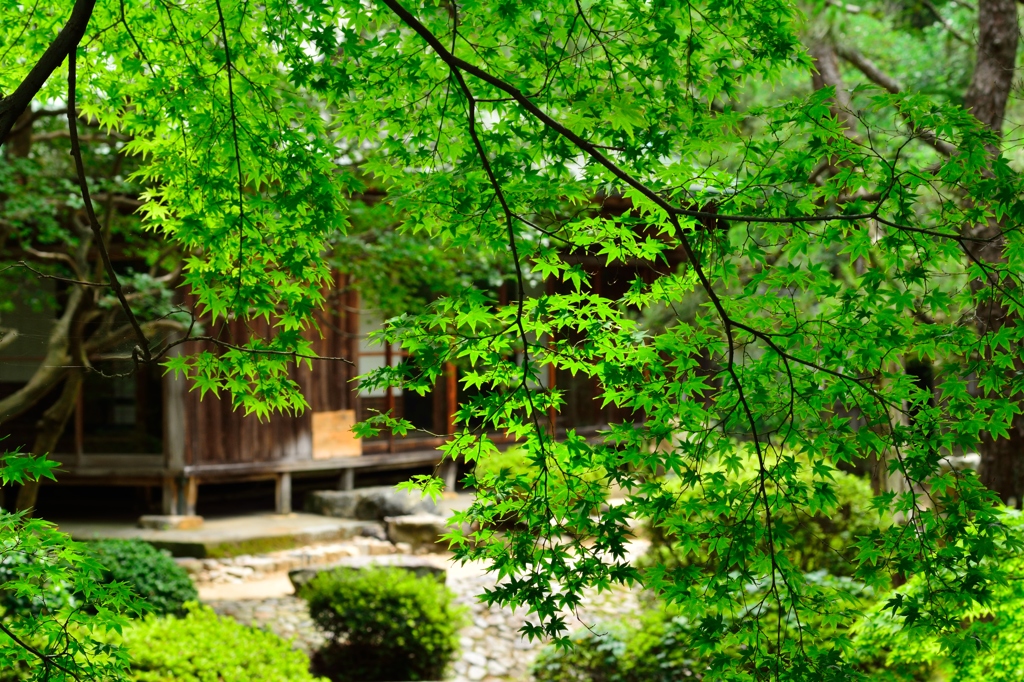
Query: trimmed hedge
pixel 384 624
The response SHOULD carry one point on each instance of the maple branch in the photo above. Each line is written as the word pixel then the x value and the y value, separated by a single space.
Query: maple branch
pixel 94 224
pixel 13 105
pixel 594 152
pixel 891 85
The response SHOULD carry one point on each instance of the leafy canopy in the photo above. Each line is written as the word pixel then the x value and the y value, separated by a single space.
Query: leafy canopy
pixel 627 133
pixel 57 614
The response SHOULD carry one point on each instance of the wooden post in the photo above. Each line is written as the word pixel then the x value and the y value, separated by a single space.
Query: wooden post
pixel 174 419
pixel 450 474
pixel 451 385
pixel 169 501
pixel 348 480
pixel 351 345
pixel 188 493
pixel 283 493
pixel 389 361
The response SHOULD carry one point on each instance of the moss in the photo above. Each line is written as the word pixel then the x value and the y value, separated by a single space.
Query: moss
pixel 259 545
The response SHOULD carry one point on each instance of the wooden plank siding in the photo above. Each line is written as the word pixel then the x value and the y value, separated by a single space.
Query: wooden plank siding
pixel 216 433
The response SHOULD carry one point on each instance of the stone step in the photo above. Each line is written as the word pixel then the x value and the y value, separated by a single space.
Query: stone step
pixel 369 504
pixel 232 536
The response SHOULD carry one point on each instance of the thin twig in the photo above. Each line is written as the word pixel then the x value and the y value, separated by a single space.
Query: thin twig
pixel 23 264
pixel 254 351
pixel 47 659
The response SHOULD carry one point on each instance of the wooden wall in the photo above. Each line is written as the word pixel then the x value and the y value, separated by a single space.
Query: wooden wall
pixel 215 433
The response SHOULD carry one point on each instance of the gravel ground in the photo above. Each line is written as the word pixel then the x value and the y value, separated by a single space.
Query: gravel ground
pixel 285 616
pixel 492 648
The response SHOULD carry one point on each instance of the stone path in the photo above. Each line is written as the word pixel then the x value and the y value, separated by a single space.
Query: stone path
pixel 247 567
pixel 492 648
pixel 286 616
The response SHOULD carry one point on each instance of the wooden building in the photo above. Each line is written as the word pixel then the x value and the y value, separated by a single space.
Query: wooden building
pixel 148 429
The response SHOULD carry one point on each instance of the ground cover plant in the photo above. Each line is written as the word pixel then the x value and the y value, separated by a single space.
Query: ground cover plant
pixel 201 646
pixel 821 263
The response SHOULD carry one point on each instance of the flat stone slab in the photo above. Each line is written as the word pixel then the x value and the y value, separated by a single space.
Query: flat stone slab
pixel 436 567
pixel 421 531
pixel 173 522
pixel 369 504
pixel 231 536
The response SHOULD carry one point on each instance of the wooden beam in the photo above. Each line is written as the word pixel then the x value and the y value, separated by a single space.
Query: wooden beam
pixel 384 461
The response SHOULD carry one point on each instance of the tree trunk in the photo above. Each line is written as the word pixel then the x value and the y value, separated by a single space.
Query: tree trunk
pixel 48 432
pixel 997 56
pixel 54 366
pixel 826 74
pixel 1002 460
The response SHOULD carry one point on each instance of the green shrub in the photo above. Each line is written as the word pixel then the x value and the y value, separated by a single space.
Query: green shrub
pixel 49 596
pixel 654 650
pixel 891 650
pixel 384 624
pixel 204 647
pixel 513 469
pixel 595 656
pixel 663 646
pixel 151 573
pixel 822 542
pixel 512 461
